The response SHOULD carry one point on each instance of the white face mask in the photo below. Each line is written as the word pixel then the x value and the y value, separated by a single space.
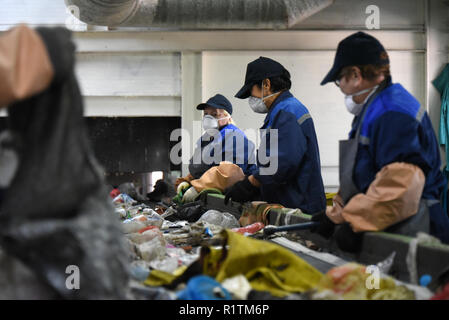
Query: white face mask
pixel 210 124
pixel 356 108
pixel 258 105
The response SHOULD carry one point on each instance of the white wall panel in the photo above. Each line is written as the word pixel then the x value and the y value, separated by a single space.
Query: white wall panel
pixel 157 41
pixel 129 74
pixel 132 106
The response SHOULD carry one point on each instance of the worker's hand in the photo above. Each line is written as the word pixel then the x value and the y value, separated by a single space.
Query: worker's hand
pixel 187 178
pixel 183 186
pixel 242 191
pixel 326 227
pixel 348 240
pixel 25 65
pixel 190 195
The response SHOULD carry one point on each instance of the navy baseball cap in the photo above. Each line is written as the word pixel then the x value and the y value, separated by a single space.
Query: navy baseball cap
pixel 218 102
pixel 357 49
pixel 257 71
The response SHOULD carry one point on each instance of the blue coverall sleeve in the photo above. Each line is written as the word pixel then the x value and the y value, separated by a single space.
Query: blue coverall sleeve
pixel 291 147
pixel 398 137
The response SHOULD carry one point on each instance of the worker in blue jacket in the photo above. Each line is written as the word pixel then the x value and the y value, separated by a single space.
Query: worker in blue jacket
pixel 390 177
pixel 222 141
pixel 288 168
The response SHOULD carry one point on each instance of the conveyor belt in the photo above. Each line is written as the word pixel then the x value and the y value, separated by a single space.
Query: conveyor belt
pixel 321 261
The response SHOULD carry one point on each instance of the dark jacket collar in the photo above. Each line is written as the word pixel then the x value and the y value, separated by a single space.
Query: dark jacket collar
pixel 382 86
pixel 283 96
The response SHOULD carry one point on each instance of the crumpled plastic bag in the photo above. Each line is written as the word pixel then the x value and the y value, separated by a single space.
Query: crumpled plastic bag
pixel 139 238
pixel 222 219
pixel 203 288
pixel 190 212
pixel 152 250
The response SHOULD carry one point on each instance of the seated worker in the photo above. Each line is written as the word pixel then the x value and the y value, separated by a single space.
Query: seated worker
pixel 390 178
pixel 222 141
pixel 292 174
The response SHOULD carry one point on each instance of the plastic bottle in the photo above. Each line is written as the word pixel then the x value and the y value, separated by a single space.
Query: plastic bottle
pixel 425 280
pixel 251 229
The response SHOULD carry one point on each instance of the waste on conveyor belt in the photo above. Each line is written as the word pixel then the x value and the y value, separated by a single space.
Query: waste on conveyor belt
pixel 187 252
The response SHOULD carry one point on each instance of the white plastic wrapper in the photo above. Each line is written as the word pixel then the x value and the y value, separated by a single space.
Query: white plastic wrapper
pixel 120 212
pixel 222 219
pixel 152 250
pixel 238 286
pixel 139 222
pixel 168 265
pixel 132 226
pixel 139 238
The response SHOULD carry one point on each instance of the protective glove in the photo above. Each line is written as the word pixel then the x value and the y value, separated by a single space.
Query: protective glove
pixel 242 191
pixel 182 186
pixel 187 178
pixel 348 240
pixel 326 227
pixel 190 195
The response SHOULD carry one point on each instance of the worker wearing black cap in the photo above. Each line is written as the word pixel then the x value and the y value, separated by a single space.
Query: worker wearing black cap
pixel 222 141
pixel 296 181
pixel 390 176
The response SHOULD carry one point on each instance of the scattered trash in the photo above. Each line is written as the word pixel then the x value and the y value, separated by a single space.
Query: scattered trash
pixel 139 238
pixel 169 212
pixel 169 264
pixel 251 229
pixel 204 288
pixel 385 266
pixel 352 282
pixel 139 223
pixel 141 292
pixel 190 212
pixel 443 294
pixel 163 242
pixel 148 228
pixel 114 193
pixel 125 199
pixel 152 250
pixel 139 270
pixel 132 226
pixel 425 280
pixel 121 212
pixel 208 232
pixel 238 286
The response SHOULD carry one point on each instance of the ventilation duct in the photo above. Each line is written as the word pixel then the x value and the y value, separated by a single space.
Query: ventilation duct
pixel 196 14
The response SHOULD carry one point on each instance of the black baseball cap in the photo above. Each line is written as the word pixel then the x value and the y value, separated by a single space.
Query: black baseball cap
pixel 357 49
pixel 218 102
pixel 257 71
